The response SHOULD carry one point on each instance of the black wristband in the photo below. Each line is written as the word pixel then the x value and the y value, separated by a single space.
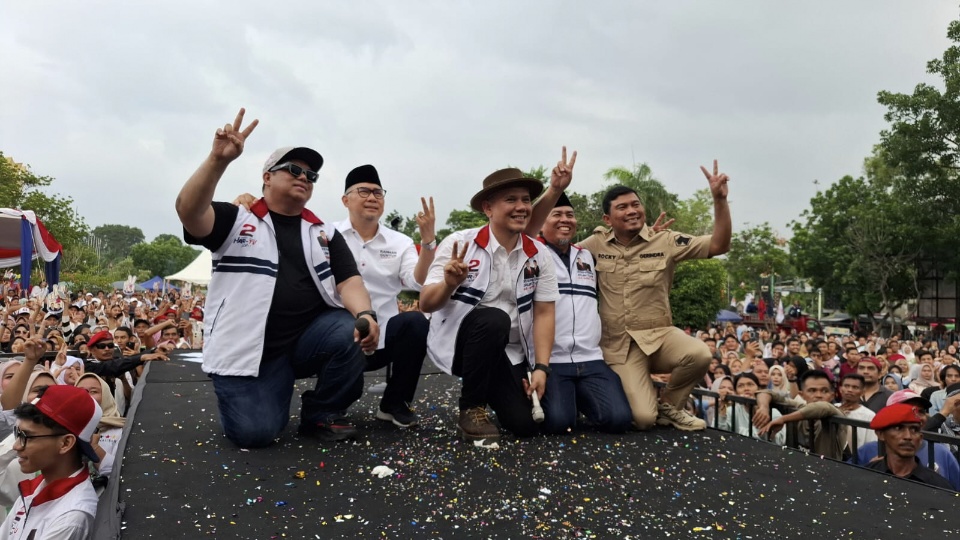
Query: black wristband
pixel 370 312
pixel 543 367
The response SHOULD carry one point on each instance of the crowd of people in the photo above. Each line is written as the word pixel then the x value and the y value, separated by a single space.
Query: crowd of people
pixel 864 377
pixel 72 360
pixel 548 334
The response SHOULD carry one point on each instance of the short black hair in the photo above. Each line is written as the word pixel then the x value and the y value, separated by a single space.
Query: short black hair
pixel 745 375
pixel 124 329
pixel 613 193
pixel 923 352
pixel 708 338
pixel 791 339
pixel 141 321
pixel 856 377
pixel 943 372
pixel 813 374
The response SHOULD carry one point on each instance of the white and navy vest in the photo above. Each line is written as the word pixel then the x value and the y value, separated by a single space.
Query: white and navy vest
pixel 241 288
pixel 445 323
pixel 577 335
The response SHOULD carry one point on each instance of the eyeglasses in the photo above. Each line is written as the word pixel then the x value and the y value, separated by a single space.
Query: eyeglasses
pixel 364 192
pixel 22 437
pixel 102 345
pixel 296 171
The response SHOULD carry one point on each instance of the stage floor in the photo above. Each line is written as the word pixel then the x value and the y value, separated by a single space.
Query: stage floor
pixel 181 478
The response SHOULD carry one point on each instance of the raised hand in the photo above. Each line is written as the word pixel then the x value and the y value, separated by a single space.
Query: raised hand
pixel 718 181
pixel 426 221
pixel 229 140
pixel 245 200
pixel 657 226
pixel 562 174
pixel 455 271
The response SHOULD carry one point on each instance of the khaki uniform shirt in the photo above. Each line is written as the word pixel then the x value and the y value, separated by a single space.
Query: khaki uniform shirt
pixel 634 283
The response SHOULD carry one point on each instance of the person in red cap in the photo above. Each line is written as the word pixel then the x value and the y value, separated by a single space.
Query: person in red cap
pixel 53 435
pixel 898 427
pixel 875 395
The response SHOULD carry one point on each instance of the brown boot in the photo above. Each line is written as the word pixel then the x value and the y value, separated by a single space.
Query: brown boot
pixel 475 425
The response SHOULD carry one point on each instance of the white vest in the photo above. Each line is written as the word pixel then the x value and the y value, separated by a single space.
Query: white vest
pixel 445 323
pixel 577 336
pixel 241 288
pixel 35 510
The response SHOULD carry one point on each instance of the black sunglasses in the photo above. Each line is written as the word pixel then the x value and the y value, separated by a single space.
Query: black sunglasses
pixel 296 171
pixel 102 345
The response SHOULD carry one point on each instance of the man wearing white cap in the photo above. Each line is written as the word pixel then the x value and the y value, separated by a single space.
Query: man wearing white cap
pixel 284 295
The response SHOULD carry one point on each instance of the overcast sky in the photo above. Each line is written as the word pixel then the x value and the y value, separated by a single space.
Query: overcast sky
pixel 119 101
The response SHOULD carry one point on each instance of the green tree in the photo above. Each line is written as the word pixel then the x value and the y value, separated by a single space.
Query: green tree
pixel 694 215
pixel 698 292
pixel 118 239
pixel 21 188
pixel 459 220
pixel 855 243
pixel 757 252
pixel 654 195
pixel 923 145
pixel 164 256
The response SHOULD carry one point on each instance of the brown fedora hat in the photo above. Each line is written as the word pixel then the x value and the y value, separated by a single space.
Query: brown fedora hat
pixel 505 178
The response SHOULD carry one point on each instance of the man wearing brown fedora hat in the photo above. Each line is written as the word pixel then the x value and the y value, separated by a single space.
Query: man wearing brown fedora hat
pixel 635 267
pixel 492 291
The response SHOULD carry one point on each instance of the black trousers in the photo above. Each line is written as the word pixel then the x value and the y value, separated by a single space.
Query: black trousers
pixel 405 347
pixel 488 376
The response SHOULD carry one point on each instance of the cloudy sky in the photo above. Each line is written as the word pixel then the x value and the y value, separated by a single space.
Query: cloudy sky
pixel 119 100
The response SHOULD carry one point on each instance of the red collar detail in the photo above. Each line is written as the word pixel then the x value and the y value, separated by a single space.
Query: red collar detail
pixel 54 490
pixel 483 240
pixel 260 210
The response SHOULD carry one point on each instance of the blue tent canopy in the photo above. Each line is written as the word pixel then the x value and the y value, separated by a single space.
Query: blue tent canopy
pixel 725 315
pixel 158 281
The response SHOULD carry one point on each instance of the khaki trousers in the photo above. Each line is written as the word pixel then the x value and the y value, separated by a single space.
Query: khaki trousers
pixel 685 358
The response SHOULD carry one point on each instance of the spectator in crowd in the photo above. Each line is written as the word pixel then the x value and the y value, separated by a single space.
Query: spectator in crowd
pixel 746 385
pixel 52 438
pixel 874 395
pixel 852 361
pixel 492 315
pixel 922 377
pixel 793 346
pixel 851 405
pixel 302 322
pixel 762 373
pixel 891 381
pixel 107 438
pixel 722 385
pixel 898 428
pixel 828 438
pixel 580 380
pixel 949 376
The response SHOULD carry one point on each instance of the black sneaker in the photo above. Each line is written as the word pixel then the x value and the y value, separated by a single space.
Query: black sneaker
pixel 334 429
pixel 401 415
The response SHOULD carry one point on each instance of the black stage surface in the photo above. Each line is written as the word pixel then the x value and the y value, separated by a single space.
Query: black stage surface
pixel 181 478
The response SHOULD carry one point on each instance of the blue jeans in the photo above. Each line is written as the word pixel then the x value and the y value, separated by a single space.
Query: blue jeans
pixel 254 410
pixel 590 387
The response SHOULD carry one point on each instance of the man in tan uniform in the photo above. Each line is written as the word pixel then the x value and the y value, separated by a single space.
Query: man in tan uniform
pixel 635 268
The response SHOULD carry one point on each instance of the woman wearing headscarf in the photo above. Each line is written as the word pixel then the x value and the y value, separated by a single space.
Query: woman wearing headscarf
pixel 795 367
pixel 892 382
pixel 746 385
pixel 722 385
pixel 922 377
pixel 7 370
pixel 107 439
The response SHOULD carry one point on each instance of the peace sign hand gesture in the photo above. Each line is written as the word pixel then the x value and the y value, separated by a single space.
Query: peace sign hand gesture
pixel 228 142
pixel 426 222
pixel 718 182
pixel 455 271
pixel 562 174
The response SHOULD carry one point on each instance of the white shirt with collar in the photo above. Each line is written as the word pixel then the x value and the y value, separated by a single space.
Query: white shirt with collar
pixel 386 263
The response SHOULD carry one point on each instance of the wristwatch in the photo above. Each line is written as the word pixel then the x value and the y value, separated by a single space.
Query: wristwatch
pixel 370 312
pixel 544 368
pixel 429 246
